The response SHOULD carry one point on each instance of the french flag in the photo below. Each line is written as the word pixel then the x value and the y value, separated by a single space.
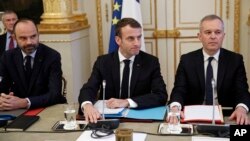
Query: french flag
pixel 123 9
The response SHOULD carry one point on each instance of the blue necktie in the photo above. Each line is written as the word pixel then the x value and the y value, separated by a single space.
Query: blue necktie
pixel 209 88
pixel 125 79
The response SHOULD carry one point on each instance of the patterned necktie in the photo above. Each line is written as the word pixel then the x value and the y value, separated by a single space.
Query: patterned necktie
pixel 11 43
pixel 209 88
pixel 125 79
pixel 28 69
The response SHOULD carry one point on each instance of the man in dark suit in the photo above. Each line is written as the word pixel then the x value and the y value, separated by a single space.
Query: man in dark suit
pixel 146 86
pixel 9 18
pixel 31 74
pixel 229 75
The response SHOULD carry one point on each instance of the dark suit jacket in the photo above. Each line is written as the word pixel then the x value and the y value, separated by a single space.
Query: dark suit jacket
pixel 232 87
pixel 147 86
pixel 46 80
pixel 2 43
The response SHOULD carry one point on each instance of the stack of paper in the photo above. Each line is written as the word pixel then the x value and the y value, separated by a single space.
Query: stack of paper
pixel 117 112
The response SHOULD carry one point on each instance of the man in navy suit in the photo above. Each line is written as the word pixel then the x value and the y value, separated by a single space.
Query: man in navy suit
pixel 9 18
pixel 146 86
pixel 231 88
pixel 34 84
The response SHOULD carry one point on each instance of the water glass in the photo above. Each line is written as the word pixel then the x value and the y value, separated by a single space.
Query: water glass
pixel 174 127
pixel 70 117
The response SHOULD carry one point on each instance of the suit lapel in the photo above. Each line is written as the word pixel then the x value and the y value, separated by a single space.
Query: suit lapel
pixel 221 68
pixel 115 65
pixel 135 73
pixel 200 69
pixel 18 58
pixel 3 42
pixel 36 66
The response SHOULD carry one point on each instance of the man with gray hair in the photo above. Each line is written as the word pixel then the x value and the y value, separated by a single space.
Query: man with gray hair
pixel 7 42
pixel 212 65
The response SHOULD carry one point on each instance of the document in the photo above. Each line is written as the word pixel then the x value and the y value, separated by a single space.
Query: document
pixel 203 113
pixel 117 112
pixel 155 113
pixel 197 138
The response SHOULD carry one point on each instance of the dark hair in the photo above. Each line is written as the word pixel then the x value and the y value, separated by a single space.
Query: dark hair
pixel 211 17
pixel 23 20
pixel 124 22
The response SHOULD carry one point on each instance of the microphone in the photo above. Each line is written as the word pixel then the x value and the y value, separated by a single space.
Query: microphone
pixel 217 130
pixel 213 86
pixel 104 123
pixel 103 98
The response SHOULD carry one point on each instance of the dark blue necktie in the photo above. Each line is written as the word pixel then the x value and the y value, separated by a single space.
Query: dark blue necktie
pixel 209 77
pixel 28 69
pixel 125 79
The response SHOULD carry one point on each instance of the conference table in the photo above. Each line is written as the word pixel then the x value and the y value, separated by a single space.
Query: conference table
pixel 42 129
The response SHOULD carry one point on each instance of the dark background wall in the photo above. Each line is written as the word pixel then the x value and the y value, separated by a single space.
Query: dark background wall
pixel 32 9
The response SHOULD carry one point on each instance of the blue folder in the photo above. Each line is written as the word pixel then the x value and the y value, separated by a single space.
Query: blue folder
pixel 157 113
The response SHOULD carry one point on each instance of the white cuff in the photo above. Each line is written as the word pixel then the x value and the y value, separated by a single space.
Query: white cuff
pixel 132 104
pixel 84 103
pixel 29 103
pixel 243 105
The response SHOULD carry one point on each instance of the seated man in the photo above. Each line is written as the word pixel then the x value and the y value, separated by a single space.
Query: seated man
pixel 144 86
pixel 198 70
pixel 7 42
pixel 30 75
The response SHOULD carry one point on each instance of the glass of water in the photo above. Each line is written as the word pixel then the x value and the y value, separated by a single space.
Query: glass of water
pixel 70 117
pixel 175 126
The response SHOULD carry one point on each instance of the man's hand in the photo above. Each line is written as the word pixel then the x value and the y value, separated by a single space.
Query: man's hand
pixel 91 114
pixel 240 116
pixel 117 103
pixel 11 102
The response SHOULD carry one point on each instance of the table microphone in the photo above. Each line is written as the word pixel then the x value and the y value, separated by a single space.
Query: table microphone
pixel 213 87
pixel 105 123
pixel 217 130
pixel 103 98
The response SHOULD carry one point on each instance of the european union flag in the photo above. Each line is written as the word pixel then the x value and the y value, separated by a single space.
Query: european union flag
pixel 124 8
pixel 117 12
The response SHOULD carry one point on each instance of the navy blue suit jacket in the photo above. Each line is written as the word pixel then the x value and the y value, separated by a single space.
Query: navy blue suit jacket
pixel 2 43
pixel 147 86
pixel 46 80
pixel 232 87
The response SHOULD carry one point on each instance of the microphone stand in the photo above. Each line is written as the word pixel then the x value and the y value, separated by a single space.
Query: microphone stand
pixel 213 86
pixel 217 130
pixel 103 98
pixel 104 123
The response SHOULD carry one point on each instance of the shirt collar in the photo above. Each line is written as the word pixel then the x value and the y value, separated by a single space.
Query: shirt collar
pixel 33 54
pixel 121 57
pixel 8 34
pixel 206 56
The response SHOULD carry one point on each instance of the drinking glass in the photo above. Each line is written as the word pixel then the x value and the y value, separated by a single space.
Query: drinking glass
pixel 70 117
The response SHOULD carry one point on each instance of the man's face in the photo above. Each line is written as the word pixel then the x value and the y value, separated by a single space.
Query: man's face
pixel 26 36
pixel 9 20
pixel 211 35
pixel 129 41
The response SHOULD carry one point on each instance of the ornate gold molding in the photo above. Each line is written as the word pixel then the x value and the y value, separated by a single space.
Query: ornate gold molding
pixel 58 18
pixel 175 33
pixel 99 27
pixel 227 9
pixel 237 26
pixel 248 22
